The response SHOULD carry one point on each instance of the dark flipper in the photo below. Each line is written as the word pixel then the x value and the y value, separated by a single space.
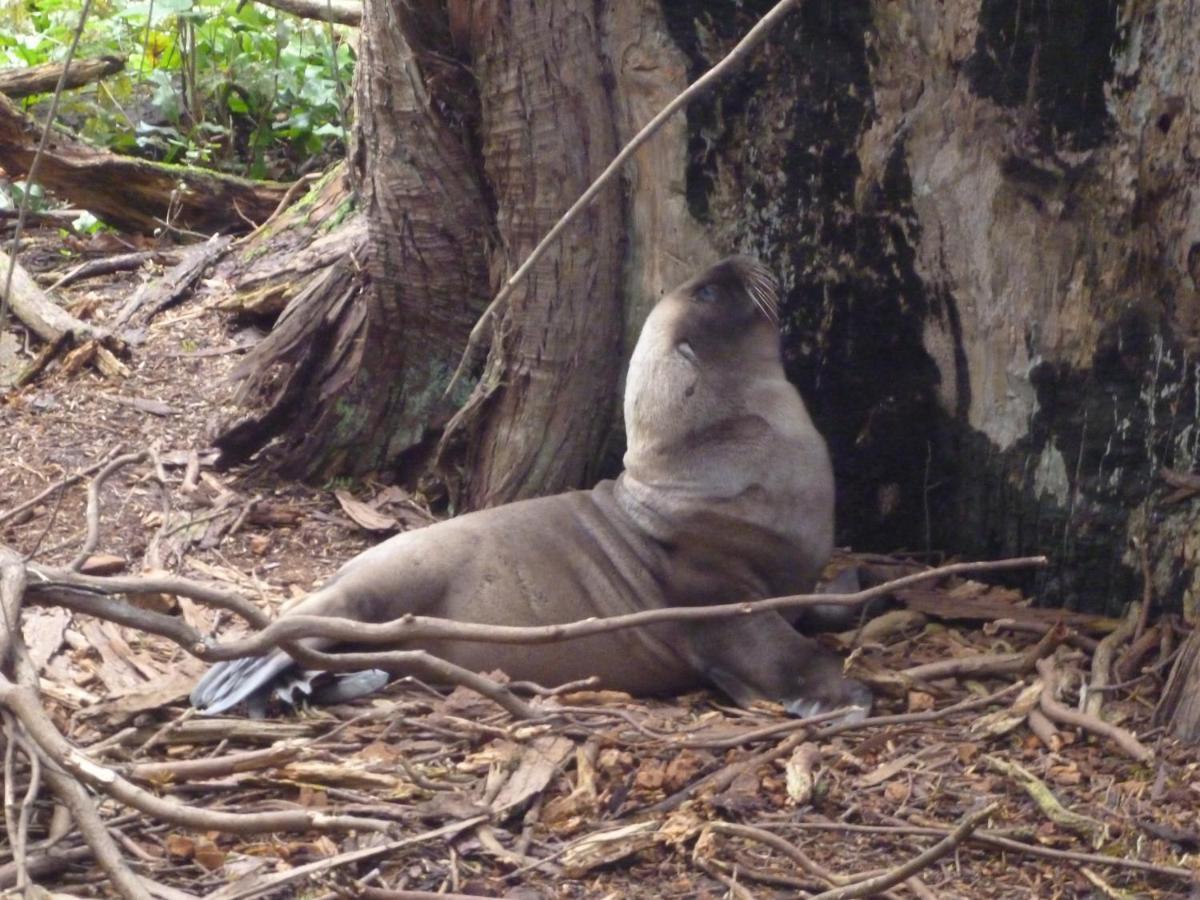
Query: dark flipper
pixel 255 680
pixel 229 683
pixel 762 657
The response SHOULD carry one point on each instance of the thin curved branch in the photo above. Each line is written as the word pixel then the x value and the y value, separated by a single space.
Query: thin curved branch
pixel 871 886
pixel 424 628
pixel 49 578
pixel 1056 711
pixel 93 505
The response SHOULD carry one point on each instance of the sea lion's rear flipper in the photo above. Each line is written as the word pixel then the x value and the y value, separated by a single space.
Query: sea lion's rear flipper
pixel 762 657
pixel 254 681
pixel 229 683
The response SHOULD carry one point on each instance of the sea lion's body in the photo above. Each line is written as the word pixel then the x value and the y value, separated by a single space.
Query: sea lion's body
pixel 727 495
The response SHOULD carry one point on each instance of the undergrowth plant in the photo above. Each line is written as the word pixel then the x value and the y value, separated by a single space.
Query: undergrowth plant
pixel 251 91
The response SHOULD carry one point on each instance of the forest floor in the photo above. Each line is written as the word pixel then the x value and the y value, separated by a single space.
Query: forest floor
pixel 610 796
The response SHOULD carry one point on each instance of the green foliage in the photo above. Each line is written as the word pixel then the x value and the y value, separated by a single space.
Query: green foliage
pixel 251 91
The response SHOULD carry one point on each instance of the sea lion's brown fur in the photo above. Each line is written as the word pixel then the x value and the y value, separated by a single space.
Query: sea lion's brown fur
pixel 727 495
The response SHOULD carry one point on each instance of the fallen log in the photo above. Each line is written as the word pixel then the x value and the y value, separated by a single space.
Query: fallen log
pixel 134 194
pixel 37 311
pixel 43 79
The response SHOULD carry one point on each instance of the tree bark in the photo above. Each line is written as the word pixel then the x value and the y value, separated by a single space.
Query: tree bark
pixel 544 405
pixel 985 218
pixel 352 376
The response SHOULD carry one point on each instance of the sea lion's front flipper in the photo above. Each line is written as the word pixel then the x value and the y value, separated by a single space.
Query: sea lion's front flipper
pixel 762 657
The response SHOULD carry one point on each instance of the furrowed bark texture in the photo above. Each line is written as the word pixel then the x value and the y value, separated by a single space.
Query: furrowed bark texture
pixel 353 377
pixel 547 130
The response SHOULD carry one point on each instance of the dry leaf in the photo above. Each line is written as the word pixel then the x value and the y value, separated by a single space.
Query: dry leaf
pixel 897 792
pixel 208 855
pixel 103 564
pixel 684 768
pixel 179 846
pixel 920 701
pixel 363 515
pixel 650 775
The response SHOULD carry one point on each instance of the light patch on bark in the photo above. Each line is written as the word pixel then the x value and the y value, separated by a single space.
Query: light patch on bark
pixel 666 244
pixel 1050 476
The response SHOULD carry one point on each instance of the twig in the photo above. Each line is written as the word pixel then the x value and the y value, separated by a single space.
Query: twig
pixel 1044 729
pixel 104 849
pixel 753 37
pixel 995 839
pixel 69 791
pixel 1102 659
pixel 23 702
pixel 913 718
pixel 93 505
pixel 724 777
pixel 276 880
pixel 48 579
pixel 1087 828
pixel 1059 713
pixel 122 262
pixel 11 814
pixel 1130 663
pixel 781 846
pixel 871 886
pixel 1147 587
pixel 62 484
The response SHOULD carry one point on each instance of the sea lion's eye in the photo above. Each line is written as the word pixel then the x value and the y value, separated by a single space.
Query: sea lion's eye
pixel 707 293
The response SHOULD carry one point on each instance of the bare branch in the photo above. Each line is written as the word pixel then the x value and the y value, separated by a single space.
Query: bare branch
pixel 871 886
pixel 93 505
pixel 1059 713
pixel 423 628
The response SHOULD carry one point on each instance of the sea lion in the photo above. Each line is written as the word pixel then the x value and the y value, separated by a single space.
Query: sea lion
pixel 726 495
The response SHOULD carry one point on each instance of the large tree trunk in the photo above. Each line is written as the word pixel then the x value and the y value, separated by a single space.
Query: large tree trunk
pixel 983 214
pixel 545 402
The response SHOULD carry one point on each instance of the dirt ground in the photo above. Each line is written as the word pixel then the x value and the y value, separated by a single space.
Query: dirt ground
pixel 609 796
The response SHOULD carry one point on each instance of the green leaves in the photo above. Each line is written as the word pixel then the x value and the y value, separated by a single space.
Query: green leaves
pixel 249 90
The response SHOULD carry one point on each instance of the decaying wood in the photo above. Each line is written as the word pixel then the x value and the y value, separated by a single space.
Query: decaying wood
pixel 43 79
pixel 134 194
pixel 1179 708
pixel 982 608
pixel 161 293
pixel 106 265
pixel 37 311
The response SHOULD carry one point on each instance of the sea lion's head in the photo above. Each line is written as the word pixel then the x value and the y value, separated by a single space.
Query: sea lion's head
pixel 705 352
pixel 730 310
